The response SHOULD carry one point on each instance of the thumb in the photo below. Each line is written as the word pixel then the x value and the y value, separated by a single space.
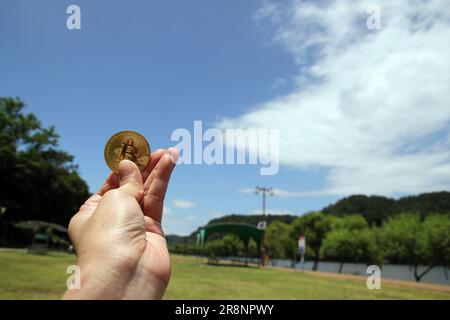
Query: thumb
pixel 130 179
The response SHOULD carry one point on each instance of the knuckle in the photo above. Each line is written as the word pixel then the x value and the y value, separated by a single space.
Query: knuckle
pixel 84 207
pixel 72 227
pixel 140 191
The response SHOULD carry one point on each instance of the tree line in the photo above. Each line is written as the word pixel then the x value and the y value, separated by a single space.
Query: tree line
pixel 413 238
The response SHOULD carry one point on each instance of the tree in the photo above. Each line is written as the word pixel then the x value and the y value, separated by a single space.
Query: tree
pixel 35 170
pixel 350 244
pixel 228 246
pixel 374 209
pixel 438 202
pixel 214 249
pixel 233 246
pixel 253 251
pixel 279 241
pixel 409 239
pixel 350 239
pixel 341 245
pixel 437 228
pixel 314 226
pixel 350 222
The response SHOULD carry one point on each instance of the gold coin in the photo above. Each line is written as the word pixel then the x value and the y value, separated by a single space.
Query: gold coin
pixel 127 145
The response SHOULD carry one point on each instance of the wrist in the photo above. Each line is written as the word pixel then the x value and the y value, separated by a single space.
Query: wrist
pixel 100 281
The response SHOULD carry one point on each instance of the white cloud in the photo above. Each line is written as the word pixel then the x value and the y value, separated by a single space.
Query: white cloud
pixel 183 204
pixel 371 107
pixel 179 224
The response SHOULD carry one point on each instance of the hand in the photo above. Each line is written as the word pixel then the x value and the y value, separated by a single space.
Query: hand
pixel 117 234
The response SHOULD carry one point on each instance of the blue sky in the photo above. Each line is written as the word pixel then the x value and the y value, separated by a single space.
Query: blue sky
pixel 154 66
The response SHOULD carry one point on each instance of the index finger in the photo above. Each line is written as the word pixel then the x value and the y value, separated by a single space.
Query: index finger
pixel 156 185
pixel 152 163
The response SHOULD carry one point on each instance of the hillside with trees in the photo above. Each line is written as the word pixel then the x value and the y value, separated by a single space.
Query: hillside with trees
pixel 254 218
pixel 377 209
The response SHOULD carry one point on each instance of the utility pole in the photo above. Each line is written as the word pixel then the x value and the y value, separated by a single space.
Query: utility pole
pixel 264 191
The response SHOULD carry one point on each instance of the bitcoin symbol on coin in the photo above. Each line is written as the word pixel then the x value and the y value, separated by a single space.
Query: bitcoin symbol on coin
pixel 127 145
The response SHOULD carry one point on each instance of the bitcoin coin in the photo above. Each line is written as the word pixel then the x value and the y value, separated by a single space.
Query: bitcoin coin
pixel 127 145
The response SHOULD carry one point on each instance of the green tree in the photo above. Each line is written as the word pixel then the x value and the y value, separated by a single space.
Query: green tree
pixel 351 239
pixel 228 246
pixel 408 239
pixel 214 249
pixel 314 226
pixel 42 181
pixel 279 241
pixel 346 244
pixel 233 245
pixel 438 202
pixel 374 209
pixel 253 251
pixel 437 228
pixel 350 222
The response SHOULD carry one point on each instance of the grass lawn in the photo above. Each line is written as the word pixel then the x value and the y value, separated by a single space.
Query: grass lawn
pixel 25 276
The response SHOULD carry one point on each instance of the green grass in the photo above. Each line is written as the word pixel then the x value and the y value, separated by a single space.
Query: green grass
pixel 26 276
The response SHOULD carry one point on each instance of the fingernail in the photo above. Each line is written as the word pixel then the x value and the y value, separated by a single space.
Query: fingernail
pixel 174 154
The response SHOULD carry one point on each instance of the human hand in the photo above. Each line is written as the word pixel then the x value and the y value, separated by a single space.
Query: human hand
pixel 117 234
